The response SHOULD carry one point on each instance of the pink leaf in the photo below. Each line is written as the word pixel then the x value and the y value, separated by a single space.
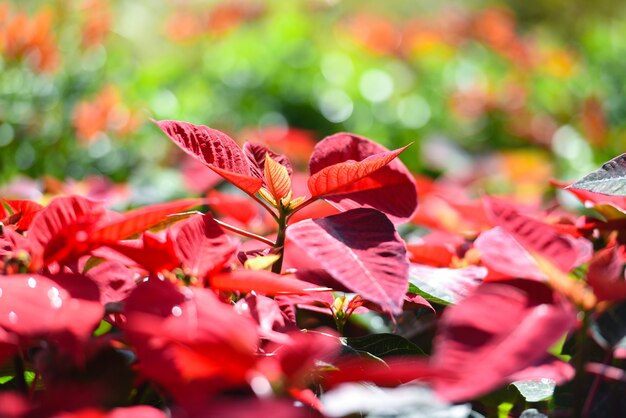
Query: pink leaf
pixel 215 149
pixel 352 171
pixel 361 250
pixel 534 235
pixel 114 280
pixel 498 331
pixel 202 246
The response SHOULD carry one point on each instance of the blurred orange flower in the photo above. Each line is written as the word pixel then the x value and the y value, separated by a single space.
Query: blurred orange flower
pixel 376 33
pixel 29 39
pixel 97 22
pixel 104 114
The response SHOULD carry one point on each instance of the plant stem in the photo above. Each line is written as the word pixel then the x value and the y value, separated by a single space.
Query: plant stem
pixel 245 233
pixel 20 380
pixel 302 206
pixel 265 206
pixel 279 245
pixel 594 388
pixel 579 382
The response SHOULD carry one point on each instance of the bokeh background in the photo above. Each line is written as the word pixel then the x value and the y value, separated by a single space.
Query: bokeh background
pixel 516 93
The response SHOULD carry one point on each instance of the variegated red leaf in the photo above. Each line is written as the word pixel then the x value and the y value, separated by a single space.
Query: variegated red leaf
pixel 215 149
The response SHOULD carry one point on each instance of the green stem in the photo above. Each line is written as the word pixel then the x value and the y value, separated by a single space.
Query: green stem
pixel 581 354
pixel 302 206
pixel 265 206
pixel 20 380
pixel 245 233
pixel 279 245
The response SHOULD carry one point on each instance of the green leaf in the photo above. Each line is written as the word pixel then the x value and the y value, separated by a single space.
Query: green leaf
pixel 382 345
pixel 414 290
pixel 609 179
pixel 535 390
pixel 103 328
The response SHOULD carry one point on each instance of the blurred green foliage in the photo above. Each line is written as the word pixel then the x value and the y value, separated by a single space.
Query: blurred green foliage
pixel 79 79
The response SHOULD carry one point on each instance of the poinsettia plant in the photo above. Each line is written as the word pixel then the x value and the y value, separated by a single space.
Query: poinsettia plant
pixel 165 309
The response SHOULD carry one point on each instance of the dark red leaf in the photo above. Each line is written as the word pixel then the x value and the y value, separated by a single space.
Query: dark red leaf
pixel 352 171
pixel 362 250
pixel 202 246
pixel 256 157
pixel 215 149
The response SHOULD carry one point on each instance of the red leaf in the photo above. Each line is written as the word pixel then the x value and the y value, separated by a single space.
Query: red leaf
pixel 202 246
pixel 215 149
pixel 138 220
pixel 534 235
pixel 262 281
pixel 606 274
pixel 39 306
pixel 114 280
pixel 473 341
pixel 61 230
pixel 23 212
pixel 256 157
pixel 362 250
pixel 502 253
pixel 352 171
pixel 239 207
pixel 149 252
pixel 185 341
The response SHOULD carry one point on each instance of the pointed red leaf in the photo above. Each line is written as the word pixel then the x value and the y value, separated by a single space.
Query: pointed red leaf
pixel 263 282
pixel 215 149
pixel 150 253
pixel 277 178
pixel 352 171
pixel 202 246
pixel 138 220
pixel 362 250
